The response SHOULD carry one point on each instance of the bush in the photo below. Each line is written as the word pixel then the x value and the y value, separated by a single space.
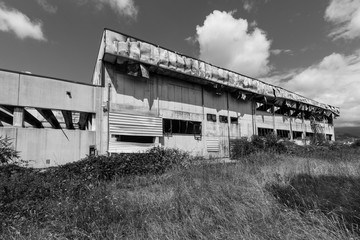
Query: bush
pixel 7 153
pixel 270 143
pixel 241 147
pixel 356 143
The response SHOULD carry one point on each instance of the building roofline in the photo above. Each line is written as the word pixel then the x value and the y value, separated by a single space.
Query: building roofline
pixel 44 76
pixel 252 78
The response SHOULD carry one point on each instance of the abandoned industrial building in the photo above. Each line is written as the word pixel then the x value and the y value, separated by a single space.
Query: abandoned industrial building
pixel 143 95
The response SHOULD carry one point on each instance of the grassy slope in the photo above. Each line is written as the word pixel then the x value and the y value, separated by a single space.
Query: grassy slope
pixel 260 197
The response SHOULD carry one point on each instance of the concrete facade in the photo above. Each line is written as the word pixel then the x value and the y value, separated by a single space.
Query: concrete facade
pixel 133 105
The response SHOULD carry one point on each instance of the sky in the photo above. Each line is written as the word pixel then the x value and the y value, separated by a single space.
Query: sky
pixel 306 46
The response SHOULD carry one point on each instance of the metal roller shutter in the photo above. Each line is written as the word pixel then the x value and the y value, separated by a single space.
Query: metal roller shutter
pixel 135 125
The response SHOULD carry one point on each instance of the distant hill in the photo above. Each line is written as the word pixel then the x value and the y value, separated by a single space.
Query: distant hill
pixel 347 132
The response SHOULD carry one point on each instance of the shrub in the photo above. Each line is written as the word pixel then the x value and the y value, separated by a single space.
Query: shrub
pixel 7 153
pixel 241 147
pixel 356 143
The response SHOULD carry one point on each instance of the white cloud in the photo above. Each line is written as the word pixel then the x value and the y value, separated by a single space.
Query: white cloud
pixel 345 15
pixel 248 6
pixel 233 44
pixel 123 7
pixel 11 20
pixel 334 81
pixel 281 51
pixel 47 6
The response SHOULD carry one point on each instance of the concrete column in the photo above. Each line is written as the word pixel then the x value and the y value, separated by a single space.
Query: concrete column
pixel 291 131
pixel 18 120
pixel 303 127
pixel 273 117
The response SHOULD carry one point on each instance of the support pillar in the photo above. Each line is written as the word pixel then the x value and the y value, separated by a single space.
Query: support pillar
pixel 273 117
pixel 18 117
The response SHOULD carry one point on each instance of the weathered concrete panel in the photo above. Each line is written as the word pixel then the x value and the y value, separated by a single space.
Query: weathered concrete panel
pixel 264 120
pixel 43 92
pixel 131 94
pixel 9 86
pixel 177 95
pixel 186 143
pixel 56 146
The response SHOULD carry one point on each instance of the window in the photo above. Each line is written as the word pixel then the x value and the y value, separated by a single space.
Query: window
pixel 297 134
pixel 309 134
pixel 328 137
pixel 223 119
pixel 181 126
pixel 234 120
pixel 283 133
pixel 265 131
pixel 211 117
pixel 265 107
pixel 136 139
pixel 282 111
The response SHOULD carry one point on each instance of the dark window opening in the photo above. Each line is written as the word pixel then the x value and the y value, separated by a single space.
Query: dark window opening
pixel 136 139
pixel 297 135
pixel 283 111
pixel 181 126
pixel 330 120
pixel 265 107
pixel 223 119
pixel 265 131
pixel 328 137
pixel 283 133
pixel 234 120
pixel 309 134
pixel 211 117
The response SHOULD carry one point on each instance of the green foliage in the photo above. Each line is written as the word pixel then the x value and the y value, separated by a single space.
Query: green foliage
pixel 7 153
pixel 241 147
pixel 245 200
pixel 356 143
pixel 270 143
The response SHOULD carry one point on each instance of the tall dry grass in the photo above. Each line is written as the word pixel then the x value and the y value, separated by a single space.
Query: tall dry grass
pixel 262 196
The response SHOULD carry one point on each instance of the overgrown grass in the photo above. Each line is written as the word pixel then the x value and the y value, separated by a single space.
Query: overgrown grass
pixel 264 195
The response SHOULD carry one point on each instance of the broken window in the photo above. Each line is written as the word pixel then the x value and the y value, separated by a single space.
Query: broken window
pixel 234 120
pixel 265 107
pixel 211 117
pixel 328 137
pixel 223 119
pixel 297 135
pixel 136 139
pixel 181 126
pixel 265 131
pixel 283 133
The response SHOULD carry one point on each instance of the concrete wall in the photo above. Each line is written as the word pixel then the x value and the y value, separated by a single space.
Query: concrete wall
pixel 50 147
pixel 56 146
pixel 173 98
pixel 24 90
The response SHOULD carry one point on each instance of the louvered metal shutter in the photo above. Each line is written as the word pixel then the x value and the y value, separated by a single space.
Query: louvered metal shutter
pixel 212 145
pixel 135 125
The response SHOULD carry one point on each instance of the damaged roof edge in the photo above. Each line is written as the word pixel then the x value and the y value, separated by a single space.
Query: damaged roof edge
pixel 124 45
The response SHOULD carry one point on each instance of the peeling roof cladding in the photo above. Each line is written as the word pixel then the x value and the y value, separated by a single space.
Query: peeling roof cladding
pixel 125 46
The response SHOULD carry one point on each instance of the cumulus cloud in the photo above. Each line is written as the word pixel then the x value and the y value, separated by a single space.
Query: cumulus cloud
pixel 281 51
pixel 345 15
pixel 12 20
pixel 122 7
pixel 248 6
pixel 334 80
pixel 47 6
pixel 231 43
